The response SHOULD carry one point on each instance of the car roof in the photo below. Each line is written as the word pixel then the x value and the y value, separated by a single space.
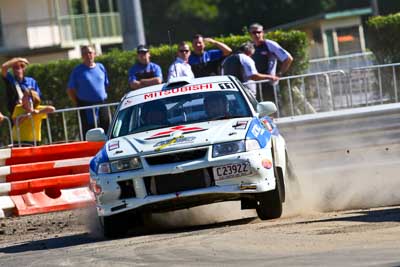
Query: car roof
pixel 179 82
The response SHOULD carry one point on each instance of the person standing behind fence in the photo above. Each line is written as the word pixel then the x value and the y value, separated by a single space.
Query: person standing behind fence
pixel 241 65
pixel 144 73
pixel 17 82
pixel 87 86
pixel 180 67
pixel 27 112
pixel 266 56
pixel 207 62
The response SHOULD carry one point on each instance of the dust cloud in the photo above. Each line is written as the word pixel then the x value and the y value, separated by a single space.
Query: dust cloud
pixel 355 178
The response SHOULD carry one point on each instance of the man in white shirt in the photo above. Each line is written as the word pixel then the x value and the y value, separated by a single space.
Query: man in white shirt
pixel 241 65
pixel 181 67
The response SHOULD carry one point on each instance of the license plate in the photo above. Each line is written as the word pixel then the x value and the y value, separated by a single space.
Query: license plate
pixel 231 171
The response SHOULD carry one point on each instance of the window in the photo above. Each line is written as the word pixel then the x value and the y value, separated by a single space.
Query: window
pixel 348 40
pixel 180 110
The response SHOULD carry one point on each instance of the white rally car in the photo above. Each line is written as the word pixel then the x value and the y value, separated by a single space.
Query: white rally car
pixel 187 143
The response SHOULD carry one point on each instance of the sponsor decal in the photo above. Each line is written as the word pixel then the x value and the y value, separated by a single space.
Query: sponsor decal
pixel 257 130
pixel 113 145
pixel 174 141
pixel 267 125
pixel 266 163
pixel 240 125
pixel 181 128
pixel 185 89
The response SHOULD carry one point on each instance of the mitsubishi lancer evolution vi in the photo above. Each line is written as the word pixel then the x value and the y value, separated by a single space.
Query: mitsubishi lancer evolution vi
pixel 186 143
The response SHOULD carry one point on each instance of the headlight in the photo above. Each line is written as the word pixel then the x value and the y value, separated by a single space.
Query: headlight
pixel 120 165
pixel 104 168
pixel 125 164
pixel 228 148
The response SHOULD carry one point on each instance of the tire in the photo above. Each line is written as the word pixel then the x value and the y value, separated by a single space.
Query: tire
pixel 269 204
pixel 114 226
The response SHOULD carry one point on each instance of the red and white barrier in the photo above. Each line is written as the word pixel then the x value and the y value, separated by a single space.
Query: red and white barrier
pixel 45 178
pixel 22 172
pixel 40 202
pixel 6 206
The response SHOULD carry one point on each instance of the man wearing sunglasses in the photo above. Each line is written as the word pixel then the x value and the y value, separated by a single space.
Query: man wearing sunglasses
pixel 181 67
pixel 16 83
pixel 266 56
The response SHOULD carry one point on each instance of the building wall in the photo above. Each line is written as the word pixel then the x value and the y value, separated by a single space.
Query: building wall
pixel 14 22
pixel 42 28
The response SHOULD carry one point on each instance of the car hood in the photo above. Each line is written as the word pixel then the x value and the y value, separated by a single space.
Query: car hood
pixel 178 137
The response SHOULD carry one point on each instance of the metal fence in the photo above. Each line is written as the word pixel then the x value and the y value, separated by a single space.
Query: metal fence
pixel 373 85
pixel 308 93
pixel 62 126
pixel 294 95
pixel 345 62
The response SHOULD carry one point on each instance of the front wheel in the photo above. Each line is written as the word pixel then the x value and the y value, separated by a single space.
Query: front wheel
pixel 269 204
pixel 114 226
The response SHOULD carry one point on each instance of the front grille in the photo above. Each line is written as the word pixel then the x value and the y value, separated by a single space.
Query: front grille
pixel 127 189
pixel 172 183
pixel 177 157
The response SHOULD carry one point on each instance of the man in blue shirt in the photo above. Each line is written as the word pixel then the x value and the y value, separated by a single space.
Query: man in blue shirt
pixel 87 87
pixel 17 82
pixel 144 73
pixel 207 62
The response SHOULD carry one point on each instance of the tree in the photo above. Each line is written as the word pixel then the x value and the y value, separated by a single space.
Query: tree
pixel 184 18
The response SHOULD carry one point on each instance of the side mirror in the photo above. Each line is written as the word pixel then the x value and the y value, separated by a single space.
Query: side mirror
pixel 95 135
pixel 266 108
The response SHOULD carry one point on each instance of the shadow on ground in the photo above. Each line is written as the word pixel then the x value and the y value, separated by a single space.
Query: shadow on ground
pixel 86 238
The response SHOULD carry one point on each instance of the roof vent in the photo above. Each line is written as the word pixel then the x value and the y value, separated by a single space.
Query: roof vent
pixel 176 82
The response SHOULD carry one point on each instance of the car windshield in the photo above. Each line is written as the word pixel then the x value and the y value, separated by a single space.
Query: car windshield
pixel 179 110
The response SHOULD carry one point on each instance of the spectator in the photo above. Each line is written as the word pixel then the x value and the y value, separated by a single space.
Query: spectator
pixel 241 65
pixel 144 73
pixel 29 110
pixel 267 54
pixel 87 87
pixel 1 117
pixel 206 63
pixel 17 82
pixel 181 67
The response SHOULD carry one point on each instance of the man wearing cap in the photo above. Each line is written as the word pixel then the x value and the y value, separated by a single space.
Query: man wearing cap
pixel 266 56
pixel 207 62
pixel 17 82
pixel 144 73
pixel 87 86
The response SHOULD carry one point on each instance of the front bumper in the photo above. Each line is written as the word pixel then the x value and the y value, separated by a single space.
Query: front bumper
pixel 261 179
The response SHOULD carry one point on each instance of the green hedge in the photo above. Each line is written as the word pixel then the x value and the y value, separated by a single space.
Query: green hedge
pixel 53 77
pixel 384 38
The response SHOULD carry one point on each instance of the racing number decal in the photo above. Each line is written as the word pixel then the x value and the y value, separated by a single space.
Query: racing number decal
pixel 226 85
